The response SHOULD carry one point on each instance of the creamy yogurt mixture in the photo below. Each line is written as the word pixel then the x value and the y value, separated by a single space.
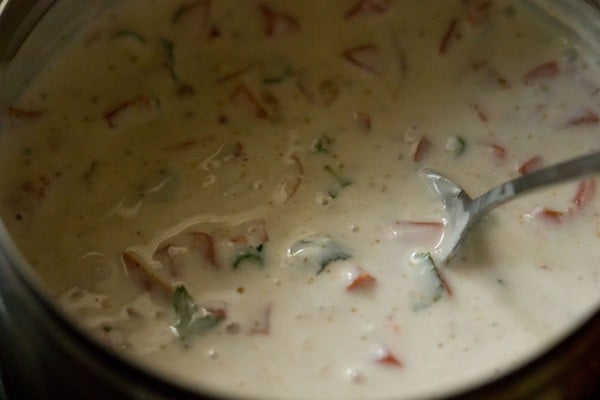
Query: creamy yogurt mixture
pixel 228 191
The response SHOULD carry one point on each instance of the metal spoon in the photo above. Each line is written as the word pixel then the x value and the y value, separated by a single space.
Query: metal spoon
pixel 462 212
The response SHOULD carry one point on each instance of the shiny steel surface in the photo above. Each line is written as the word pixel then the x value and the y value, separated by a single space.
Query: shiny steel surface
pixel 462 212
pixel 42 355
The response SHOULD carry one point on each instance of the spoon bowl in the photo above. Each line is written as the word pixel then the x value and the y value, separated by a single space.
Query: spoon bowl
pixel 461 212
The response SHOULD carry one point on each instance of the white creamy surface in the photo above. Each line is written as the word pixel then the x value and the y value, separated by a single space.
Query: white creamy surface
pixel 202 142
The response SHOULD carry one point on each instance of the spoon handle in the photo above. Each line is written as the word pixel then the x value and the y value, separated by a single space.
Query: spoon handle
pixel 564 171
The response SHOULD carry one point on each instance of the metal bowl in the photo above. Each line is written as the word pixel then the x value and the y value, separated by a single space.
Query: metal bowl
pixel 44 355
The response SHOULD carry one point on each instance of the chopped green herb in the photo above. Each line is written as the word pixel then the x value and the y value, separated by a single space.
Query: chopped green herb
pixel 333 193
pixel 457 145
pixel 107 328
pixel 184 88
pixel 91 170
pixel 318 250
pixel 163 171
pixel 169 48
pixel 184 9
pixel 192 319
pixel 270 80
pixel 341 182
pixel 125 33
pixel 427 283
pixel 254 254
pixel 325 261
pixel 322 144
pixel 509 11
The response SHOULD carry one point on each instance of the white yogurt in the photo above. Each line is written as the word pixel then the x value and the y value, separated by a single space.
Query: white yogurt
pixel 227 191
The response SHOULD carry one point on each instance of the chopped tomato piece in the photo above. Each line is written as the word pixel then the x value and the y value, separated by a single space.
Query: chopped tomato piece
pixel 499 152
pixel 363 119
pixel 550 214
pixel 206 243
pixel 186 144
pixel 588 117
pixel 147 277
pixel 482 115
pixel 219 313
pixel 234 74
pixel 478 14
pixel 296 161
pixel 448 35
pixel 362 280
pixel 246 103
pixel 419 148
pixel 389 359
pixel 364 56
pixel 289 187
pixel 492 73
pixel 139 104
pixel 530 165
pixel 239 239
pixel 423 224
pixel 584 193
pixel 23 114
pixel 541 72
pixel 367 7
pixel 277 22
